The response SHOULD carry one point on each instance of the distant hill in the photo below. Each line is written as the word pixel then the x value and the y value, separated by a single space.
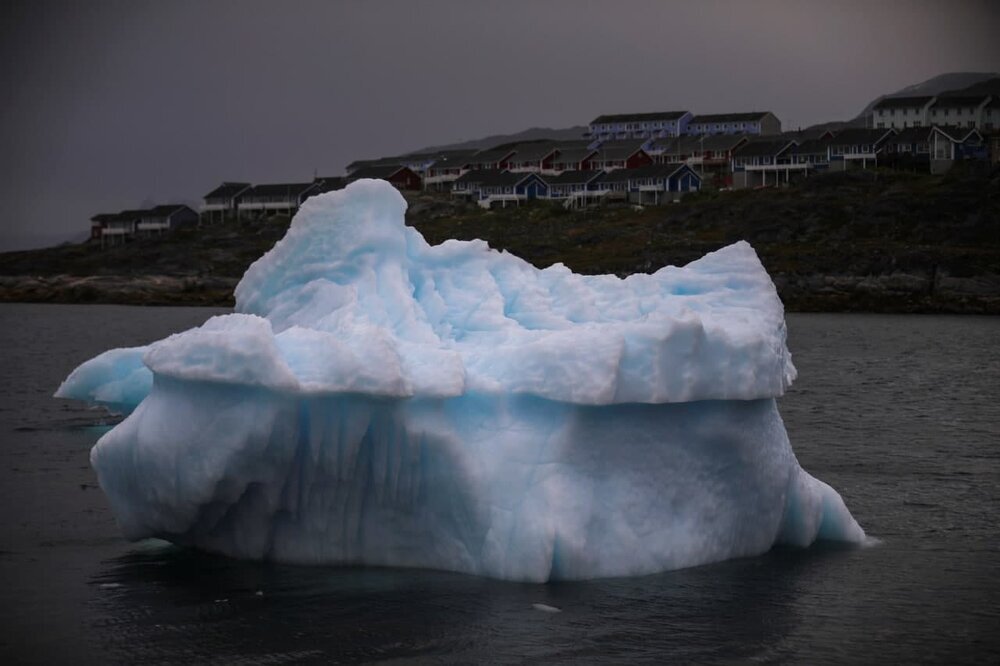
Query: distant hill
pixel 533 134
pixel 964 83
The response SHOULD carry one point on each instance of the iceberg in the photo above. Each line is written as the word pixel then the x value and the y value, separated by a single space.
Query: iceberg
pixel 377 400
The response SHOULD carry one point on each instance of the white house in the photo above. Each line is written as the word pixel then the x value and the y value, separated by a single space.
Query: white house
pixel 959 110
pixel 901 112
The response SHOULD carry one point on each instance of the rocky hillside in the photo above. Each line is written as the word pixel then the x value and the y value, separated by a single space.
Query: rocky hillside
pixel 863 241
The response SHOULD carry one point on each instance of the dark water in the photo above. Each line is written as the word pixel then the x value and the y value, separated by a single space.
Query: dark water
pixel 901 414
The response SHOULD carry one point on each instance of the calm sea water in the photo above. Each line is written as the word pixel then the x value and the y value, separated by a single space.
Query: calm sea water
pixel 901 414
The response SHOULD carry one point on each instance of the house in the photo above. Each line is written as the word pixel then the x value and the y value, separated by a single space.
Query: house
pixel 908 149
pixel 275 198
pixel 951 144
pixel 533 157
pixel 763 162
pixel 496 159
pixel 446 168
pixel 639 125
pixel 401 177
pixel 492 186
pixel 572 187
pixel 761 123
pixel 901 112
pixel 991 115
pixel 578 158
pixel 220 203
pixel 115 228
pixel 660 183
pixel 163 218
pixel 814 153
pixel 857 147
pixel 959 110
pixel 613 155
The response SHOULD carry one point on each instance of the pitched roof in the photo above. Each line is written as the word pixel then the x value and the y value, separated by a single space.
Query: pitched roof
pixel 910 135
pixel 572 177
pixel 958 101
pixel 812 147
pixel 227 190
pixel 637 117
pixel 382 171
pixel 279 189
pixel 529 152
pixel 329 184
pixel 648 171
pixel 859 136
pixel 166 210
pixel 612 150
pixel 381 161
pixel 729 117
pixel 958 134
pixel 574 154
pixel 489 156
pixel 763 147
pixel 903 102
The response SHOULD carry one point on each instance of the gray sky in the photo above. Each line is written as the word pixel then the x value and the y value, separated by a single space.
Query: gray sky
pixel 111 105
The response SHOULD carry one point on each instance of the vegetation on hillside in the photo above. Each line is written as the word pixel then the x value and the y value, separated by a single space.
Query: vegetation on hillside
pixel 865 240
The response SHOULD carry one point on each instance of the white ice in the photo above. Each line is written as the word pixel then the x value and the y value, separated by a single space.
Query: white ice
pixel 378 400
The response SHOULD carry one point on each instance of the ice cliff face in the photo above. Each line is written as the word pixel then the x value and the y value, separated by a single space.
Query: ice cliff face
pixel 379 400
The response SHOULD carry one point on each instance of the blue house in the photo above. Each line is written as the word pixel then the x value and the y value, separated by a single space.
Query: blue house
pixel 639 125
pixel 492 186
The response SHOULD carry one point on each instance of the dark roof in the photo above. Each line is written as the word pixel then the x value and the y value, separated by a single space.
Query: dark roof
pixel 618 149
pixel 689 143
pixel 729 117
pixel 227 190
pixel 574 154
pixel 275 189
pixel 483 176
pixel 637 117
pixel 648 171
pixel 165 210
pixel 958 101
pixel 956 133
pixel 493 155
pixel 105 217
pixel 494 177
pixel 381 161
pixel 533 152
pixel 382 171
pixel 763 147
pixel 910 135
pixel 812 147
pixel 903 102
pixel 572 177
pixel 859 136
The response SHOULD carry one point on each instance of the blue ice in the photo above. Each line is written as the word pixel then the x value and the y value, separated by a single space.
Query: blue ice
pixel 378 400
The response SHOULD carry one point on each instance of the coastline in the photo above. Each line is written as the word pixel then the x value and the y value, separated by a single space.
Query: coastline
pixel 895 293
pixel 871 241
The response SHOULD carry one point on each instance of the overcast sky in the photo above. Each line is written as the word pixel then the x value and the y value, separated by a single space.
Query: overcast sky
pixel 112 105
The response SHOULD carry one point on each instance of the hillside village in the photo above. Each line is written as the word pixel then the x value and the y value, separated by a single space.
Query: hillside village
pixel 638 159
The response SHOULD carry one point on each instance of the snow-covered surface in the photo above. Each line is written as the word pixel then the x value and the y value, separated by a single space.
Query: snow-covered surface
pixel 378 400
